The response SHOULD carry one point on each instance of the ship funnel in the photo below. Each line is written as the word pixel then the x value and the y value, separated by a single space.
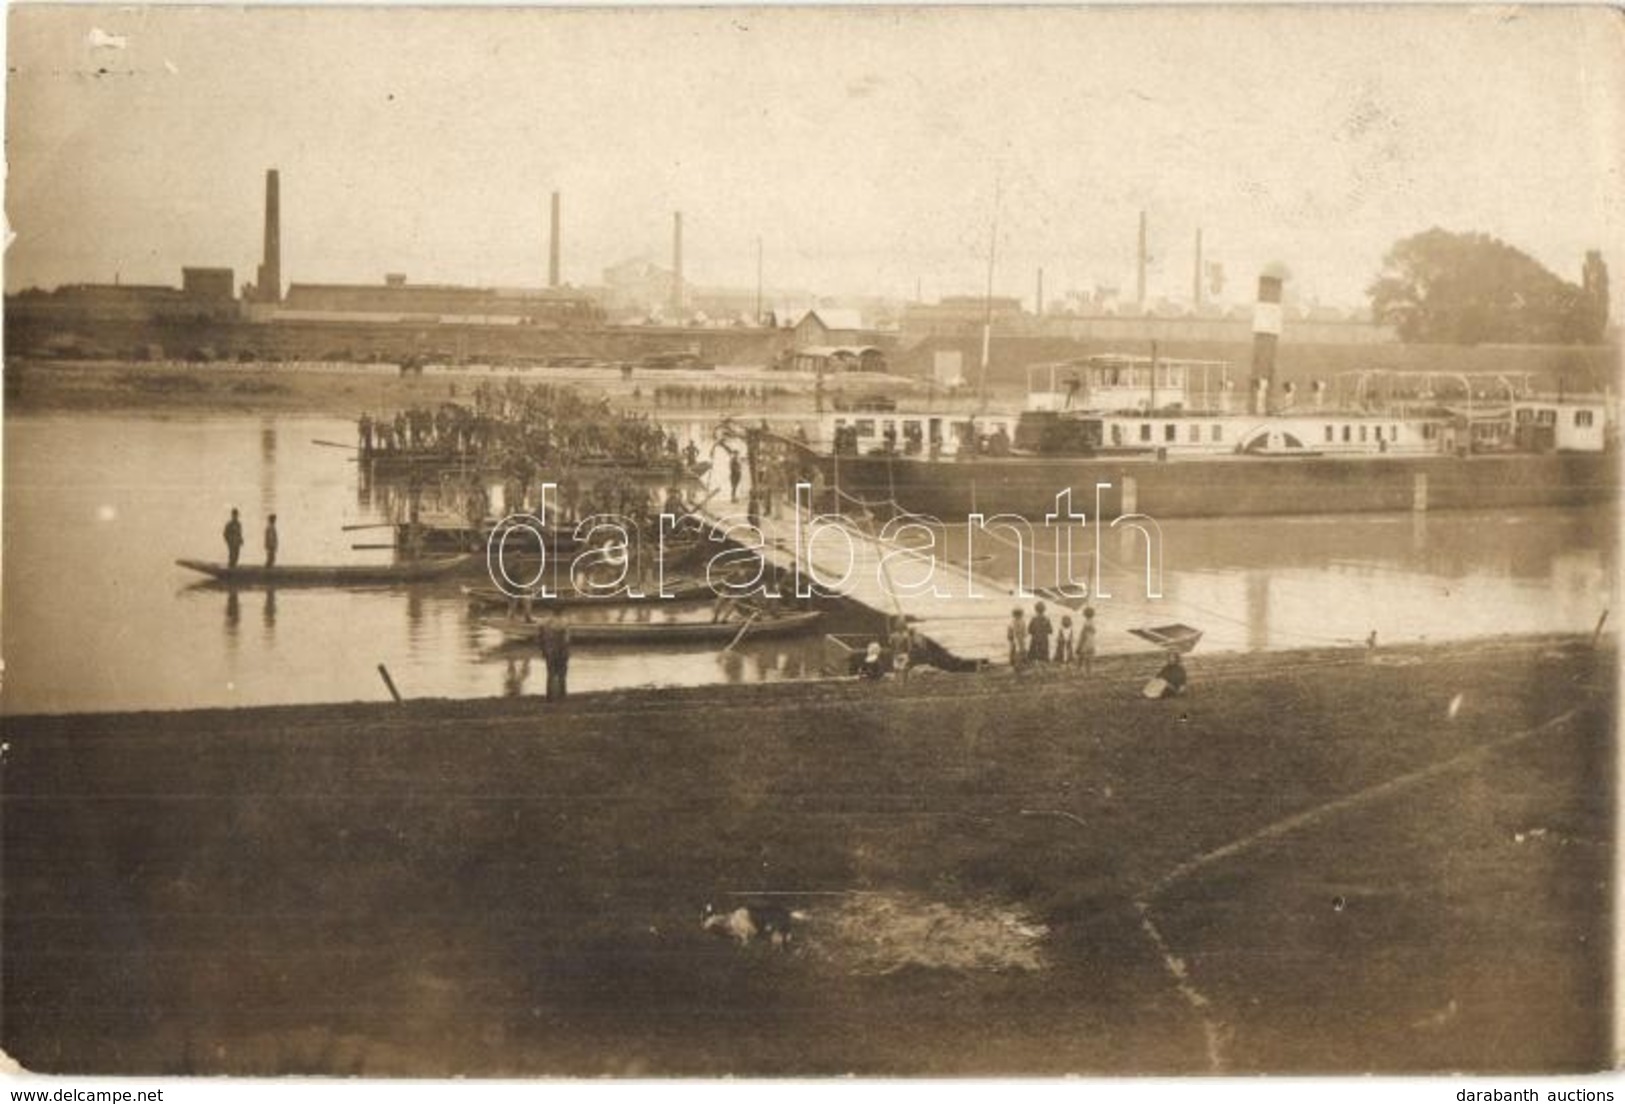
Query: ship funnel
pixel 1266 335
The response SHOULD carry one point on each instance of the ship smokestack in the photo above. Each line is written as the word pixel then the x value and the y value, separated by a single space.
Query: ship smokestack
pixel 677 261
pixel 553 247
pixel 1266 335
pixel 268 286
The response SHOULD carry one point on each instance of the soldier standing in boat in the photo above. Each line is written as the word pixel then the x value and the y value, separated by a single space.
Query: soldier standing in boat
pixel 234 539
pixel 270 542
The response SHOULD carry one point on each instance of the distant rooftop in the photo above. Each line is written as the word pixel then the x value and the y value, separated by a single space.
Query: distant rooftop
pixel 835 318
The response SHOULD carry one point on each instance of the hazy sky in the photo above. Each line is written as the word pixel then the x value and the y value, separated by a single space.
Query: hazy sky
pixel 866 147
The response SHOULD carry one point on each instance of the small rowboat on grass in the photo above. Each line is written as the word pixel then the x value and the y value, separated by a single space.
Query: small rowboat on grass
pixel 1173 638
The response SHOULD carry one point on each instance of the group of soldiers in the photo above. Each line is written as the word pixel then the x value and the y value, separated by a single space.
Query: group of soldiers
pixel 449 428
pixel 543 423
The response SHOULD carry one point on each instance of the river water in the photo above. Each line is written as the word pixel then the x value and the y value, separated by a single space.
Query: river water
pixel 94 614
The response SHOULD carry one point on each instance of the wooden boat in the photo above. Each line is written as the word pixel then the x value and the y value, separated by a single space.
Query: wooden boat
pixel 415 571
pixel 663 632
pixel 1174 638
pixel 688 591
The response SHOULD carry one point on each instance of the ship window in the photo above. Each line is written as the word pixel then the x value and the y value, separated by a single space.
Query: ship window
pixel 1196 433
pixel 1331 434
pixel 1547 417
pixel 1117 434
pixel 865 427
pixel 1429 431
pixel 1170 432
pixel 1348 434
pixel 1145 431
pixel 1582 419
pixel 1378 431
pixel 1362 433
pixel 1217 433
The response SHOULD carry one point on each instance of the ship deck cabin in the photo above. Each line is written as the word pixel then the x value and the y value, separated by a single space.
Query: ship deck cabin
pixel 1548 425
pixel 924 435
pixel 1117 382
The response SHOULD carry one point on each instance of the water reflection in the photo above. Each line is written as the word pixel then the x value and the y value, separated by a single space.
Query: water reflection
pixel 1261 583
pixel 1258 610
pixel 268 468
pixel 518 673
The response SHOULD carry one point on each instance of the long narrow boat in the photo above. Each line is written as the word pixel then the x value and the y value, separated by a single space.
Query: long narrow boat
pixel 491 597
pixel 663 632
pixel 415 571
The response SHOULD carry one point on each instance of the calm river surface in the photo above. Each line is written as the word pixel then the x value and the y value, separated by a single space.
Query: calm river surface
pixel 96 616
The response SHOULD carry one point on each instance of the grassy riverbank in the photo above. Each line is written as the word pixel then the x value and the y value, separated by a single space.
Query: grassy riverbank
pixel 346 390
pixel 1312 863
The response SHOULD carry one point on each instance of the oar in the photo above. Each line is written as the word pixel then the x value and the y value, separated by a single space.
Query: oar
pixel 743 629
pixel 368 525
pixel 336 444
pixel 370 547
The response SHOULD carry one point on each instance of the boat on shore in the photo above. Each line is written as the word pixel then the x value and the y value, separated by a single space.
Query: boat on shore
pixel 665 632
pixel 1172 438
pixel 414 571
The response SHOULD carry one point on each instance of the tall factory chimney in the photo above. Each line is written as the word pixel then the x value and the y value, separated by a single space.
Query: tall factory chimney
pixel 1266 334
pixel 553 247
pixel 1196 275
pixel 677 261
pixel 268 286
pixel 1139 287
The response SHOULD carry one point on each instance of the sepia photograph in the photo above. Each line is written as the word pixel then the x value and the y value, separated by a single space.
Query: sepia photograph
pixel 810 542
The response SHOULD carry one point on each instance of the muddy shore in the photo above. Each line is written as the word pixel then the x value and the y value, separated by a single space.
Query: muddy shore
pixel 341 389
pixel 344 390
pixel 1393 866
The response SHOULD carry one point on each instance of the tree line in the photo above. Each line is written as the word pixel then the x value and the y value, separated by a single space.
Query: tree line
pixel 1470 289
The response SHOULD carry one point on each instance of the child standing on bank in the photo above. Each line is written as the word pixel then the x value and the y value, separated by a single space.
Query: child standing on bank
pixel 1086 641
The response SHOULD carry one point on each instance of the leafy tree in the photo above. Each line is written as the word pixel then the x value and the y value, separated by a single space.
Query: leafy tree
pixel 1467 289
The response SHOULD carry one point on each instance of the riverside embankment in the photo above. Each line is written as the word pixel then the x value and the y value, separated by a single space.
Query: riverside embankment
pixel 1313 862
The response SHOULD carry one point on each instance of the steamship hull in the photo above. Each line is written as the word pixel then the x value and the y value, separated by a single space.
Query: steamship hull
pixel 1220 487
